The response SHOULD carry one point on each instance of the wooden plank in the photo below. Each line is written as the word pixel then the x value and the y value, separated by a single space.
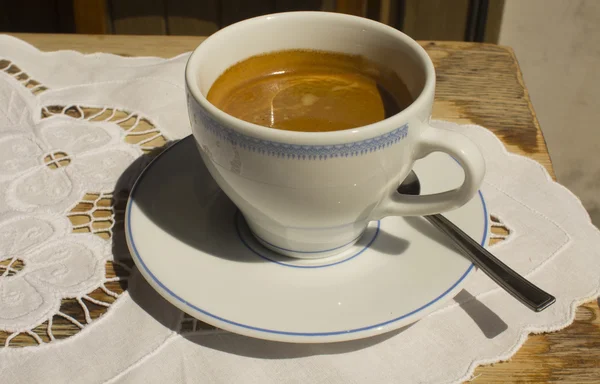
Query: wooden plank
pixel 328 5
pixel 568 356
pixel 91 16
pixel 233 11
pixel 138 17
pixel 352 7
pixel 388 12
pixel 124 45
pixel 186 17
pixel 494 21
pixel 436 19
pixel 479 83
pixel 384 11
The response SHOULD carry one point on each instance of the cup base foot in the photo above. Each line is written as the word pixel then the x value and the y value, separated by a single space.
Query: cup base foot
pixel 328 253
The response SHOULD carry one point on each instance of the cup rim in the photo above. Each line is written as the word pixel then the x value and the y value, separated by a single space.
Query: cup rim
pixel 313 138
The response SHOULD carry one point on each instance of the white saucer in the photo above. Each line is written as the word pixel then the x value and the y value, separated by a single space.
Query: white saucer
pixel 192 246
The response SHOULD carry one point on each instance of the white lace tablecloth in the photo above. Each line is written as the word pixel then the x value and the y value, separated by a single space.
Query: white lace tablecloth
pixel 73 132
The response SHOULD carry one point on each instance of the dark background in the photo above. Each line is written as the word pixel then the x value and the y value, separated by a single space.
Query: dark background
pixel 458 20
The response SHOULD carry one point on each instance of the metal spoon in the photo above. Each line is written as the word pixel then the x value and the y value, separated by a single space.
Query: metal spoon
pixel 515 284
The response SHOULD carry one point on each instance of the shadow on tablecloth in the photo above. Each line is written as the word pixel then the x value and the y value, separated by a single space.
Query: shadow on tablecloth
pixel 139 290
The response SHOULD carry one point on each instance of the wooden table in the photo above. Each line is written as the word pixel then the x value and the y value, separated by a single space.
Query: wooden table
pixel 479 84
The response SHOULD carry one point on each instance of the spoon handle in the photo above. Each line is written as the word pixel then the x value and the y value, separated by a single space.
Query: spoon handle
pixel 523 290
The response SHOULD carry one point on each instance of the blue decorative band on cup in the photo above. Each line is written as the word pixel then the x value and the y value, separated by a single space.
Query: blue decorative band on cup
pixel 303 152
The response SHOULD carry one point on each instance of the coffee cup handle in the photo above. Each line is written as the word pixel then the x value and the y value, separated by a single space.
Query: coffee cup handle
pixel 461 149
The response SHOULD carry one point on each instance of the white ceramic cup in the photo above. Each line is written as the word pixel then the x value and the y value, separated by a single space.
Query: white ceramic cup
pixel 312 194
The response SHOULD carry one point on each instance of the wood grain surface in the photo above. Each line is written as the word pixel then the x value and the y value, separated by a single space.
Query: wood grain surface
pixel 91 16
pixel 477 83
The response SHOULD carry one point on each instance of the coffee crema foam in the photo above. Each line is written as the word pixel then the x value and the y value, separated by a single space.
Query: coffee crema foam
pixel 310 91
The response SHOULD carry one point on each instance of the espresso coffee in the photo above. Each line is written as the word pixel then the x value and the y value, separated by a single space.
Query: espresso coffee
pixel 311 91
